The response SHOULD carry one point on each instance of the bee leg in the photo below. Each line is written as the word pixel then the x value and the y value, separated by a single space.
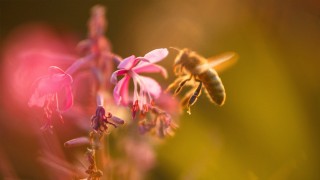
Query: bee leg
pixel 181 84
pixel 185 100
pixel 195 96
pixel 174 84
pixel 178 70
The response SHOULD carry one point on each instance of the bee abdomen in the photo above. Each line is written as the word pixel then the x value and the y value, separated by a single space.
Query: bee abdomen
pixel 214 87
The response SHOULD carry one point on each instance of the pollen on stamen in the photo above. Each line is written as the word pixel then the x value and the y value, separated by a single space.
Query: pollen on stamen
pixel 135 108
pixel 145 108
pixel 152 102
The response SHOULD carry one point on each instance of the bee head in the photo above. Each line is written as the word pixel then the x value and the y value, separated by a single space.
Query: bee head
pixel 182 56
pixel 181 60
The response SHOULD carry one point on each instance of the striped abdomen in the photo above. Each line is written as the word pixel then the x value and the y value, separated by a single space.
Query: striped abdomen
pixel 214 87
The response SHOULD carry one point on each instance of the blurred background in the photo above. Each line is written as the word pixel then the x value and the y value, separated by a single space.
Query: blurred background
pixel 269 125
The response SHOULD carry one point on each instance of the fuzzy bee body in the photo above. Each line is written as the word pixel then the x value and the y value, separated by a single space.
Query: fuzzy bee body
pixel 213 86
pixel 201 70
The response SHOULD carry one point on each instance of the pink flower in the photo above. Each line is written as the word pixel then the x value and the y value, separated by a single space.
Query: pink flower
pixel 48 90
pixel 148 88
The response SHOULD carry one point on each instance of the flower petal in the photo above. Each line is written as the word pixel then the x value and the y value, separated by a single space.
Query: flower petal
pixel 152 68
pixel 152 86
pixel 58 81
pixel 68 79
pixel 113 78
pixel 156 55
pixel 121 91
pixel 55 70
pixel 127 63
pixel 36 99
pixel 114 75
pixel 67 99
pixel 42 86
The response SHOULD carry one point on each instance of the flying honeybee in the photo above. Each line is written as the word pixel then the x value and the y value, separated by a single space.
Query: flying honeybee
pixel 189 65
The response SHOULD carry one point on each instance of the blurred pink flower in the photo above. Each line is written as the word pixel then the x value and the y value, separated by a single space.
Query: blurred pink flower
pixel 27 53
pixel 48 90
pixel 130 67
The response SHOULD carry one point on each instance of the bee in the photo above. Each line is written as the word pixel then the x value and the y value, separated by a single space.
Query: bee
pixel 189 65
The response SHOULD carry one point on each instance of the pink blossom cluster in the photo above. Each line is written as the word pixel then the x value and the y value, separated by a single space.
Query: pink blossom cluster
pixel 53 92
pixel 151 110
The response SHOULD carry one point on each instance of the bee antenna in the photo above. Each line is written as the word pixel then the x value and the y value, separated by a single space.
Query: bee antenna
pixel 175 48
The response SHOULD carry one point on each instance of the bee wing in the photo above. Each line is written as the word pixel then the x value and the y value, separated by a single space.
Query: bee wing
pixel 222 61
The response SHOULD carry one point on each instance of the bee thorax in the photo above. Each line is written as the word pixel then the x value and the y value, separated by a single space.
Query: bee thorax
pixel 201 68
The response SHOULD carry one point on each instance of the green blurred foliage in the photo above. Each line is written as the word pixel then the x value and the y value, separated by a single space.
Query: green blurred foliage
pixel 269 126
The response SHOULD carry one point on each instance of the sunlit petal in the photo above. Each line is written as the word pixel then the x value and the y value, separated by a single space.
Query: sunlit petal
pixel 151 86
pixel 127 63
pixel 36 99
pixel 55 70
pixel 151 68
pixel 113 78
pixel 156 55
pixel 121 91
pixel 68 99
pixel 114 75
